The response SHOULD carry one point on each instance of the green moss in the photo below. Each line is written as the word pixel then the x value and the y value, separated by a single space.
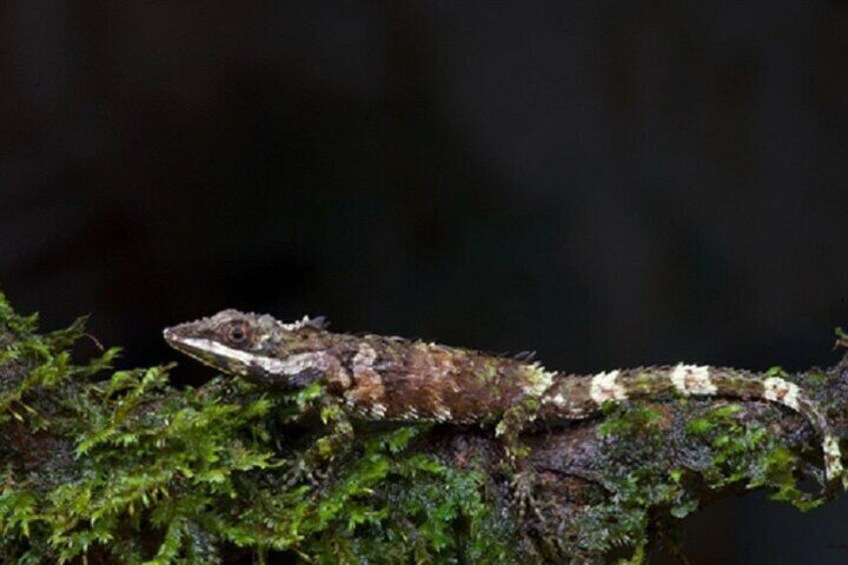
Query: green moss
pixel 713 419
pixel 638 419
pixel 632 432
pixel 775 371
pixel 644 382
pixel 645 481
pixel 425 511
pixel 816 378
pixel 746 451
pixel 120 465
pixel 159 475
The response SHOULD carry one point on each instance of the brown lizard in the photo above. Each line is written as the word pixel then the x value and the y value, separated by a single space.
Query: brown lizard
pixel 394 379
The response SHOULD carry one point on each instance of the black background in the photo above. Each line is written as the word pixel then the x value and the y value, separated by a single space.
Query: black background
pixel 608 183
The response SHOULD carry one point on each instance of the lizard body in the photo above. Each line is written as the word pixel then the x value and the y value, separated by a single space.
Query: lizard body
pixel 395 379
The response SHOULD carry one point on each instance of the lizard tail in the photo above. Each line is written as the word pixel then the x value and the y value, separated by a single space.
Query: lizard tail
pixel 576 397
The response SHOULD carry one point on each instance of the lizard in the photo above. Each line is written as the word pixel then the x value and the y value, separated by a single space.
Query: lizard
pixel 394 379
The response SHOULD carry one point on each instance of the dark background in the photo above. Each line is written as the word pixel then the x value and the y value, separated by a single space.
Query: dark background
pixel 608 183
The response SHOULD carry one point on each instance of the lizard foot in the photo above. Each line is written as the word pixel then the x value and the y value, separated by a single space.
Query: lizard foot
pixel 303 472
pixel 522 485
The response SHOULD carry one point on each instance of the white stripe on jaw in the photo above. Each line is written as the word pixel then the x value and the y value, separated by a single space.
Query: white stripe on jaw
pixel 289 366
pixel 693 380
pixel 604 387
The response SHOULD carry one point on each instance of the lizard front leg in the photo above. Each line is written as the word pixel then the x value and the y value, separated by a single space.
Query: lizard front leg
pixel 333 414
pixel 534 382
pixel 335 443
pixel 509 429
pixel 513 422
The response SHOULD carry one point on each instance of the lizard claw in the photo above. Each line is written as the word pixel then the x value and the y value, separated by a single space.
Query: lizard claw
pixel 522 485
pixel 301 472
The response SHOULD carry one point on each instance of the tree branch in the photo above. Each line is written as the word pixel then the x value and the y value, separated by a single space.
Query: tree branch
pixel 123 467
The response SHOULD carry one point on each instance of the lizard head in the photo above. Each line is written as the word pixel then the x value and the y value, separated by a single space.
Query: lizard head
pixel 255 347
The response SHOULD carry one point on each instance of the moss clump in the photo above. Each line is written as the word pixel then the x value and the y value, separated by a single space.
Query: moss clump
pixel 639 477
pixel 641 420
pixel 122 467
pixel 656 462
pixel 743 450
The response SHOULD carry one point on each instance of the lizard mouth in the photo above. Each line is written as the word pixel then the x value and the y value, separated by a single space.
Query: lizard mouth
pixel 177 342
pixel 199 350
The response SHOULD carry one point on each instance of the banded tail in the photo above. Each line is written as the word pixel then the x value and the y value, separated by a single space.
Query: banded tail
pixel 576 397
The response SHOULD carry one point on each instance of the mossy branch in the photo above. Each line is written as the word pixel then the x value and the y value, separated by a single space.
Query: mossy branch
pixel 104 466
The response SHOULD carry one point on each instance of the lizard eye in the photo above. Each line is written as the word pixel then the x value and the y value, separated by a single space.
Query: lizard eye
pixel 237 333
